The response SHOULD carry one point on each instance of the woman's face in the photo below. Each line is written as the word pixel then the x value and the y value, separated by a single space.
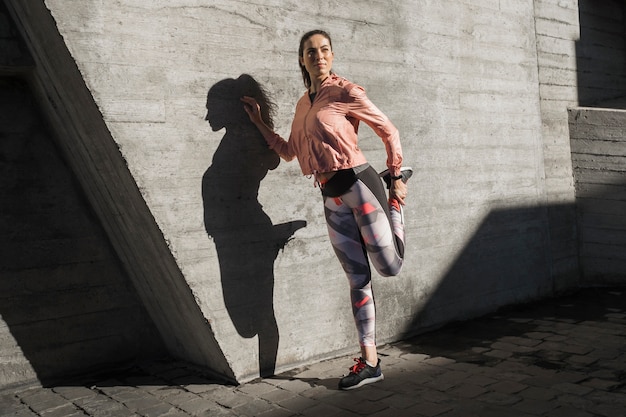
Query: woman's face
pixel 317 56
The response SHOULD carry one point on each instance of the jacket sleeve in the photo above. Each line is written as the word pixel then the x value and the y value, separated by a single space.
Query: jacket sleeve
pixel 280 146
pixel 361 108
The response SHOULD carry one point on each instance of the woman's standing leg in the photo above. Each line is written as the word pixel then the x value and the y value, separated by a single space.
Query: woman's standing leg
pixel 358 225
pixel 346 240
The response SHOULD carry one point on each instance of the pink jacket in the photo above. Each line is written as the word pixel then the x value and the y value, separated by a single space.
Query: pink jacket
pixel 324 133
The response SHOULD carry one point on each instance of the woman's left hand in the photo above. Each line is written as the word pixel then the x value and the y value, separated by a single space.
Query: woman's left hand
pixel 398 191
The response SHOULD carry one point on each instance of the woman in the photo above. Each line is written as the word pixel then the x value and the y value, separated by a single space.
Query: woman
pixel 361 220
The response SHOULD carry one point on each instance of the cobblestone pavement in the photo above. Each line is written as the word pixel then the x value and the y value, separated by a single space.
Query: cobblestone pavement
pixel 558 358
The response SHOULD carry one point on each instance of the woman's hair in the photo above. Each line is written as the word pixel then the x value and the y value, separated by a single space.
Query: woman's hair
pixel 305 74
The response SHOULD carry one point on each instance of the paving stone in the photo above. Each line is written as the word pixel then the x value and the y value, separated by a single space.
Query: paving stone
pixel 325 410
pixel 468 391
pixel 173 413
pixel 619 364
pixel 469 368
pixel 199 406
pixel 123 394
pixel 74 393
pixel 102 406
pixel 541 394
pixel 439 361
pixel 257 388
pixel 565 347
pixel 538 335
pixel 613 398
pixel 173 391
pixel 442 383
pixel 278 412
pixel 374 392
pixel 512 377
pixel 556 338
pixel 508 387
pixel 500 354
pixel 254 407
pixel 568 412
pixel 44 399
pixel 298 403
pixel 277 395
pixel 513 348
pixel 482 380
pixel 294 385
pixel 199 388
pixel 570 388
pixel 393 412
pixel 317 393
pixel 181 397
pixel 228 398
pixel 603 384
pixel 584 360
pixel 401 401
pixel 521 341
pixel 429 409
pixel 575 401
pixel 159 410
pixel 145 402
pixel 535 407
pixel 9 402
pixel 609 410
pixel 499 398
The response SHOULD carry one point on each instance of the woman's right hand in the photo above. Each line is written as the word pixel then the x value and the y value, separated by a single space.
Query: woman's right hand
pixel 253 109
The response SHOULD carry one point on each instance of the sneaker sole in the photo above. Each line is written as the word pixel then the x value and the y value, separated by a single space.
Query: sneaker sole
pixel 386 172
pixel 403 170
pixel 365 382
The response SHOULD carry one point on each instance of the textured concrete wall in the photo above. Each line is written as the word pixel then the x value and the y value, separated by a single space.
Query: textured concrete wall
pixel 558 31
pixel 599 157
pixel 601 52
pixel 94 158
pixel 470 84
pixel 581 54
pixel 66 305
pixel 597 140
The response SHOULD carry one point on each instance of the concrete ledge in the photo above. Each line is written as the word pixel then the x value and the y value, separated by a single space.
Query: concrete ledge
pixel 599 161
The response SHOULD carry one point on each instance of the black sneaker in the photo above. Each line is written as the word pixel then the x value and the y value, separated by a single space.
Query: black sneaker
pixel 361 374
pixel 405 172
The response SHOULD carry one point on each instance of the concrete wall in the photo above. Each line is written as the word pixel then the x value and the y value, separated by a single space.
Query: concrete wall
pixel 601 53
pixel 599 156
pixel 597 138
pixel 94 158
pixel 478 89
pixel 557 28
pixel 66 304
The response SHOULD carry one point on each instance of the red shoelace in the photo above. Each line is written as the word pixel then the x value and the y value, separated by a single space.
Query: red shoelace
pixel 356 368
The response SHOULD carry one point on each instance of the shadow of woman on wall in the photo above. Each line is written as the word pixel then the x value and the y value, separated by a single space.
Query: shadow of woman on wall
pixel 246 241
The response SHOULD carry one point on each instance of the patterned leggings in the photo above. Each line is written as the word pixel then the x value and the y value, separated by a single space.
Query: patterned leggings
pixel 361 223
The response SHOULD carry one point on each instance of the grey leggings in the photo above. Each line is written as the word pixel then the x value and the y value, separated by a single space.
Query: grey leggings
pixel 361 223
